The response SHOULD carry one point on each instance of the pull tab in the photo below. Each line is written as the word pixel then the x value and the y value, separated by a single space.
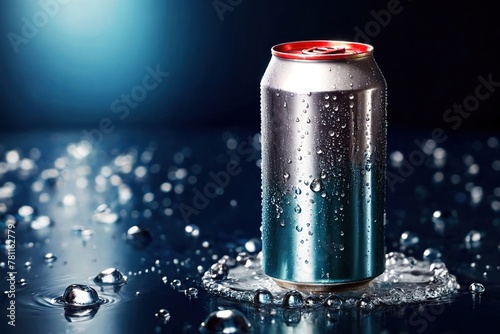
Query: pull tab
pixel 324 50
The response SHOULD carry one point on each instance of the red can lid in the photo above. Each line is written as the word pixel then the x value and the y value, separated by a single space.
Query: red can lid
pixel 321 50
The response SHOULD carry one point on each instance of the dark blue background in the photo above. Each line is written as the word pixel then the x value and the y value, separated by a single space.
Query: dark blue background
pixel 431 54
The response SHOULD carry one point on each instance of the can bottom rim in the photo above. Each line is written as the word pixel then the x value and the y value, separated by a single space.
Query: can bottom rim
pixel 323 287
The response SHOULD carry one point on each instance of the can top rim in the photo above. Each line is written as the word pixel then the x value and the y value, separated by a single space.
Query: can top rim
pixel 321 50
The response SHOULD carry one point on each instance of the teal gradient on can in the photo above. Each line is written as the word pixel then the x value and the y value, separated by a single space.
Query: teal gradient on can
pixel 323 170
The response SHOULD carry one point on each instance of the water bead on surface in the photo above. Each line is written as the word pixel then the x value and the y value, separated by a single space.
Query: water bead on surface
pixel 333 302
pixel 317 185
pixel 476 288
pixel 191 292
pixel 163 314
pixel 79 295
pixel 40 222
pixel 293 299
pixel 262 297
pixel 110 276
pixel 219 271
pixel 242 257
pixel 229 261
pixel 313 301
pixel 138 236
pixel 176 283
pixel 50 257
pixel 103 214
pixel 225 321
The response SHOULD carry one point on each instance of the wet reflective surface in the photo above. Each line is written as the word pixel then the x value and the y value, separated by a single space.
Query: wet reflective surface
pixel 140 217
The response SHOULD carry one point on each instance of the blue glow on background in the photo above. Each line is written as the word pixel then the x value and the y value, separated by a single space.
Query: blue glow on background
pixel 89 53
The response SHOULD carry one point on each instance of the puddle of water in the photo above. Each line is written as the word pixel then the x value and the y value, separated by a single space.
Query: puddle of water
pixel 405 281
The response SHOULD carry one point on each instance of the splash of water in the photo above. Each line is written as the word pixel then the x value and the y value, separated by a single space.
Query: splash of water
pixel 405 281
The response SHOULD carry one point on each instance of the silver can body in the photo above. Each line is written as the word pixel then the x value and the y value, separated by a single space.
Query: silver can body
pixel 323 128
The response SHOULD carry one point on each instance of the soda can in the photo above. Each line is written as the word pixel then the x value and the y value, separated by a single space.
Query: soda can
pixel 323 133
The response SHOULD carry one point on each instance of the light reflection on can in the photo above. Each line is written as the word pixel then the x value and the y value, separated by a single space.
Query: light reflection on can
pixel 323 113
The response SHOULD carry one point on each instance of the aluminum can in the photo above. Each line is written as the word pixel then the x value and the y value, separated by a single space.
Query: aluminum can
pixel 323 134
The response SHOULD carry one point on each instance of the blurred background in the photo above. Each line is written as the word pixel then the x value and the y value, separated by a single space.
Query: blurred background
pixel 117 63
pixel 175 84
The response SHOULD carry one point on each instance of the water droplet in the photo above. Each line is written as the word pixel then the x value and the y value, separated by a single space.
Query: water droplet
pixel 284 104
pixel 41 222
pixel 26 211
pixel 298 228
pixel 163 314
pixel 138 236
pixel 225 321
pixel 282 223
pixel 69 200
pixel 286 175
pixel 331 133
pixel 242 257
pixel 333 302
pixel 293 299
pixel 445 221
pixel 79 295
pixel 431 254
pixel 192 230
pixel 164 279
pixel 219 271
pixel 104 215
pixel 317 185
pixel 262 297
pixel 408 239
pixel 176 283
pixel 476 288
pixel 191 292
pixel 298 191
pixel 49 258
pixel 253 245
pixel 228 260
pixel 327 96
pixel 110 276
pixel 351 96
pixel 472 239
pixel 298 209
